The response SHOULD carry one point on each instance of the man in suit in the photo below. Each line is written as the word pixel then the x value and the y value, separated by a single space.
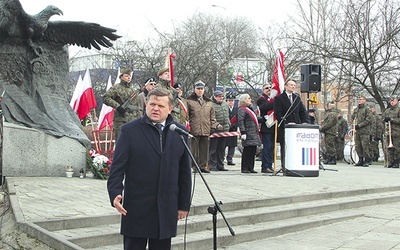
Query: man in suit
pixel 150 177
pixel 231 141
pixel 289 109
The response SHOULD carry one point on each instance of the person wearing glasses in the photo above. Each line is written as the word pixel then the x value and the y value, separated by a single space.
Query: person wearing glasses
pixel 266 105
pixel 179 113
pixel 147 87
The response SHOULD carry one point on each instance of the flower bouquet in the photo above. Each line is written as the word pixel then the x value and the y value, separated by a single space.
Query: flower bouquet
pixel 98 164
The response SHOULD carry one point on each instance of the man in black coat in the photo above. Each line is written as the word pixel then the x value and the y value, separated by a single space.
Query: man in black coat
pixel 231 141
pixel 150 177
pixel 289 109
pixel 266 105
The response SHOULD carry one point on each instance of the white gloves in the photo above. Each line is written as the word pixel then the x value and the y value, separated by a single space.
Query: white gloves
pixel 244 137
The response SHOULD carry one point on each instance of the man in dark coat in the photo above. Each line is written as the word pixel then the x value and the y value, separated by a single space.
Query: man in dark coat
pixel 266 105
pixel 150 177
pixel 289 109
pixel 231 141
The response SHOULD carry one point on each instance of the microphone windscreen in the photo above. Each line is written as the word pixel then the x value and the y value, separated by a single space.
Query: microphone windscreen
pixel 172 127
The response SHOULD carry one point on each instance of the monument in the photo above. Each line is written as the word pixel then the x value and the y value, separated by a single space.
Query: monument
pixel 41 133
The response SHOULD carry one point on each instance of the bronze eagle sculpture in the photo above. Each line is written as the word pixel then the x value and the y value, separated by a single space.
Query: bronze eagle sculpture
pixel 34 67
pixel 16 23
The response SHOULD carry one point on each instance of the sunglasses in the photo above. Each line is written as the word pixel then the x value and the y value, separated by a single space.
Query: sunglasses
pixel 267 88
pixel 153 84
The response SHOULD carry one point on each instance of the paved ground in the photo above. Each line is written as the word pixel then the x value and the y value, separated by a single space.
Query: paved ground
pixel 48 198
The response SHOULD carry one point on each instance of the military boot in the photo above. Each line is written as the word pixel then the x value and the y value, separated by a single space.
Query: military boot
pixel 332 161
pixel 360 162
pixel 366 162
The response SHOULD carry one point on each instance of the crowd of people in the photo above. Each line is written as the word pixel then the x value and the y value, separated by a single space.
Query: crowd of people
pixel 150 181
pixel 204 116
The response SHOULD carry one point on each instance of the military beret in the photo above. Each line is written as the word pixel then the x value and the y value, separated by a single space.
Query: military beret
pixel 125 71
pixel 199 85
pixel 162 71
pixel 361 96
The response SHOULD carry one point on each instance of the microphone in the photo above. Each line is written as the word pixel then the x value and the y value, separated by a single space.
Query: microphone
pixel 180 131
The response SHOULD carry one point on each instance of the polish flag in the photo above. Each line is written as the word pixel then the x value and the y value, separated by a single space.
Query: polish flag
pixel 86 99
pixel 117 80
pixel 74 100
pixel 278 78
pixel 278 85
pixel 107 113
pixel 169 63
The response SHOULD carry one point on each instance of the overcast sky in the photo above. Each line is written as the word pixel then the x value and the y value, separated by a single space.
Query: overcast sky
pixel 134 18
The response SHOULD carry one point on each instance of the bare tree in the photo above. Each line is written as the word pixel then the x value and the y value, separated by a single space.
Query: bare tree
pixel 355 41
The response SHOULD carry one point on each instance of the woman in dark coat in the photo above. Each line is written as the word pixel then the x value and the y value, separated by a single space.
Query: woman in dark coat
pixel 249 129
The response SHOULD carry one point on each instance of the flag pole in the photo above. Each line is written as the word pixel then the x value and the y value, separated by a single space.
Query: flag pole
pixel 275 139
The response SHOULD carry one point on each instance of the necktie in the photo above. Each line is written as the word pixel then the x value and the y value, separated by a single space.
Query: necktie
pixel 290 98
pixel 160 126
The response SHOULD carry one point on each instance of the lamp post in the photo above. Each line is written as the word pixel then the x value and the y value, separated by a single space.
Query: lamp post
pixel 224 49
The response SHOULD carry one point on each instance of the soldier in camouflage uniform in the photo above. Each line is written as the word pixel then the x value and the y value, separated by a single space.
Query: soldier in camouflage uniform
pixel 341 133
pixel 329 128
pixel 179 113
pixel 392 115
pixel 116 96
pixel 362 119
pixel 376 127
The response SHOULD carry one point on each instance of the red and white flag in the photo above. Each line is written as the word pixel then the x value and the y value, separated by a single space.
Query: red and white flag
pixel 117 80
pixel 78 89
pixel 169 63
pixel 278 78
pixel 86 99
pixel 107 113
pixel 278 85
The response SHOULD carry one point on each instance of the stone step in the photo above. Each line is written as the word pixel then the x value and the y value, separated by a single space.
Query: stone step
pixel 292 212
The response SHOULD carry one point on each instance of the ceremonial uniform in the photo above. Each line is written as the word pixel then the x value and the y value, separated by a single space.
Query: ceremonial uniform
pixel 392 116
pixel 362 119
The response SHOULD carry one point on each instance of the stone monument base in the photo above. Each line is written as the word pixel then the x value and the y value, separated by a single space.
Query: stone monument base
pixel 30 152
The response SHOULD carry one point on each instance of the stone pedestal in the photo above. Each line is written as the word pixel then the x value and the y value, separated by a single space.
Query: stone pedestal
pixel 30 152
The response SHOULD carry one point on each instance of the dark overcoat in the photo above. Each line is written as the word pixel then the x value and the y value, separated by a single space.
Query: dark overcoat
pixel 286 113
pixel 247 126
pixel 157 179
pixel 231 141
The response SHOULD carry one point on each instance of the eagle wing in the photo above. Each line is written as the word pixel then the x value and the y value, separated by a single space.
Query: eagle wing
pixel 79 33
pixel 12 19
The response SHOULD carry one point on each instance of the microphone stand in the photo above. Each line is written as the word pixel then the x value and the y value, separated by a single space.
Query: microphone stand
pixel 217 204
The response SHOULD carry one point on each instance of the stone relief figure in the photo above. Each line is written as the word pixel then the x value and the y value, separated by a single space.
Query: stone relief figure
pixel 34 67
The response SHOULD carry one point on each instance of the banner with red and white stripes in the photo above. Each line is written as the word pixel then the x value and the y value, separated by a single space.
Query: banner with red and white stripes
pixel 224 134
